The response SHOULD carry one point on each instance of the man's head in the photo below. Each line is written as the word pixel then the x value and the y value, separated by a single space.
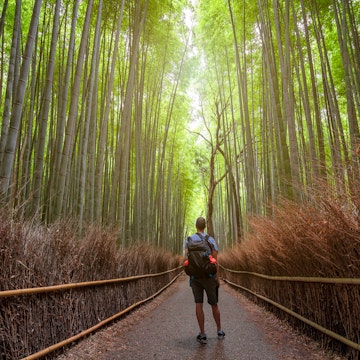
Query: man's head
pixel 200 223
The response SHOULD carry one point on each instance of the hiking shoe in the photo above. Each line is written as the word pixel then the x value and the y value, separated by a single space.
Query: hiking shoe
pixel 221 334
pixel 201 338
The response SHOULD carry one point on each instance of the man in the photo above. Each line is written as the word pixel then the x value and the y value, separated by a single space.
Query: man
pixel 209 284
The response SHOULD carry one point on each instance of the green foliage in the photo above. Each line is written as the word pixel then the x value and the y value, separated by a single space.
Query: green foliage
pixel 189 79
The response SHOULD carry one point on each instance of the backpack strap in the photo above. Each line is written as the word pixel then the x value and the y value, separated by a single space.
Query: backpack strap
pixel 206 238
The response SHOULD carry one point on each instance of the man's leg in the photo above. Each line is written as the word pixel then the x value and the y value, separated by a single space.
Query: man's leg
pixel 216 315
pixel 200 317
pixel 212 292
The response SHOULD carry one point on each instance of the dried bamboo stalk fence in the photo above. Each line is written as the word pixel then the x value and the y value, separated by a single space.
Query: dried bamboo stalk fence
pixel 128 299
pixel 324 304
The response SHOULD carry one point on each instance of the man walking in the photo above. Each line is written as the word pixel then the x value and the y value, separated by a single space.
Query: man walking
pixel 209 284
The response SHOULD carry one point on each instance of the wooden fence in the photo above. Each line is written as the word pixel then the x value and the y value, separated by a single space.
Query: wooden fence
pixel 76 287
pixel 280 292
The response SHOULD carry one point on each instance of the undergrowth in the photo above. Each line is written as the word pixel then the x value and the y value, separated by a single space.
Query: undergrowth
pixel 319 237
pixel 36 256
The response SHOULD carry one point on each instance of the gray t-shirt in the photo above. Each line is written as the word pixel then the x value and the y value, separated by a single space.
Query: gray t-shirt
pixel 196 237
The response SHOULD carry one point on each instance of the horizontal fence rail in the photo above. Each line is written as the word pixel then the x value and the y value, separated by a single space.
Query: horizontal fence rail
pixel 102 323
pixel 47 289
pixel 346 281
pixel 343 281
pixel 97 283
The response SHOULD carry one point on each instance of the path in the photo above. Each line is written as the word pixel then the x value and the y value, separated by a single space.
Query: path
pixel 168 331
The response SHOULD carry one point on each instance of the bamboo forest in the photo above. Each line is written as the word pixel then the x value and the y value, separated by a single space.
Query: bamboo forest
pixel 146 113
pixel 123 121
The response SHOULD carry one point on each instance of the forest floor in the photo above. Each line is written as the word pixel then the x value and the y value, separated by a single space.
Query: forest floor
pixel 166 328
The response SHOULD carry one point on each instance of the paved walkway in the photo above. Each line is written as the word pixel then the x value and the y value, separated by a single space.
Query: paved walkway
pixel 169 331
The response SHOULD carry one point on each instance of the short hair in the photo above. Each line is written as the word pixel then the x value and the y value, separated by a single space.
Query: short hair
pixel 200 223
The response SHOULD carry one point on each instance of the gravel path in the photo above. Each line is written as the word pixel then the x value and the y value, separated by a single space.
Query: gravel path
pixel 166 329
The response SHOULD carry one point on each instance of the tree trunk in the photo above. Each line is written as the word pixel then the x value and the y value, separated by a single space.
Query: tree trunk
pixel 90 113
pixel 343 35
pixel 73 114
pixel 314 165
pixel 243 102
pixel 44 114
pixel 100 157
pixel 11 79
pixel 283 166
pixel 121 173
pixel 2 36
pixel 12 137
pixel 287 91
